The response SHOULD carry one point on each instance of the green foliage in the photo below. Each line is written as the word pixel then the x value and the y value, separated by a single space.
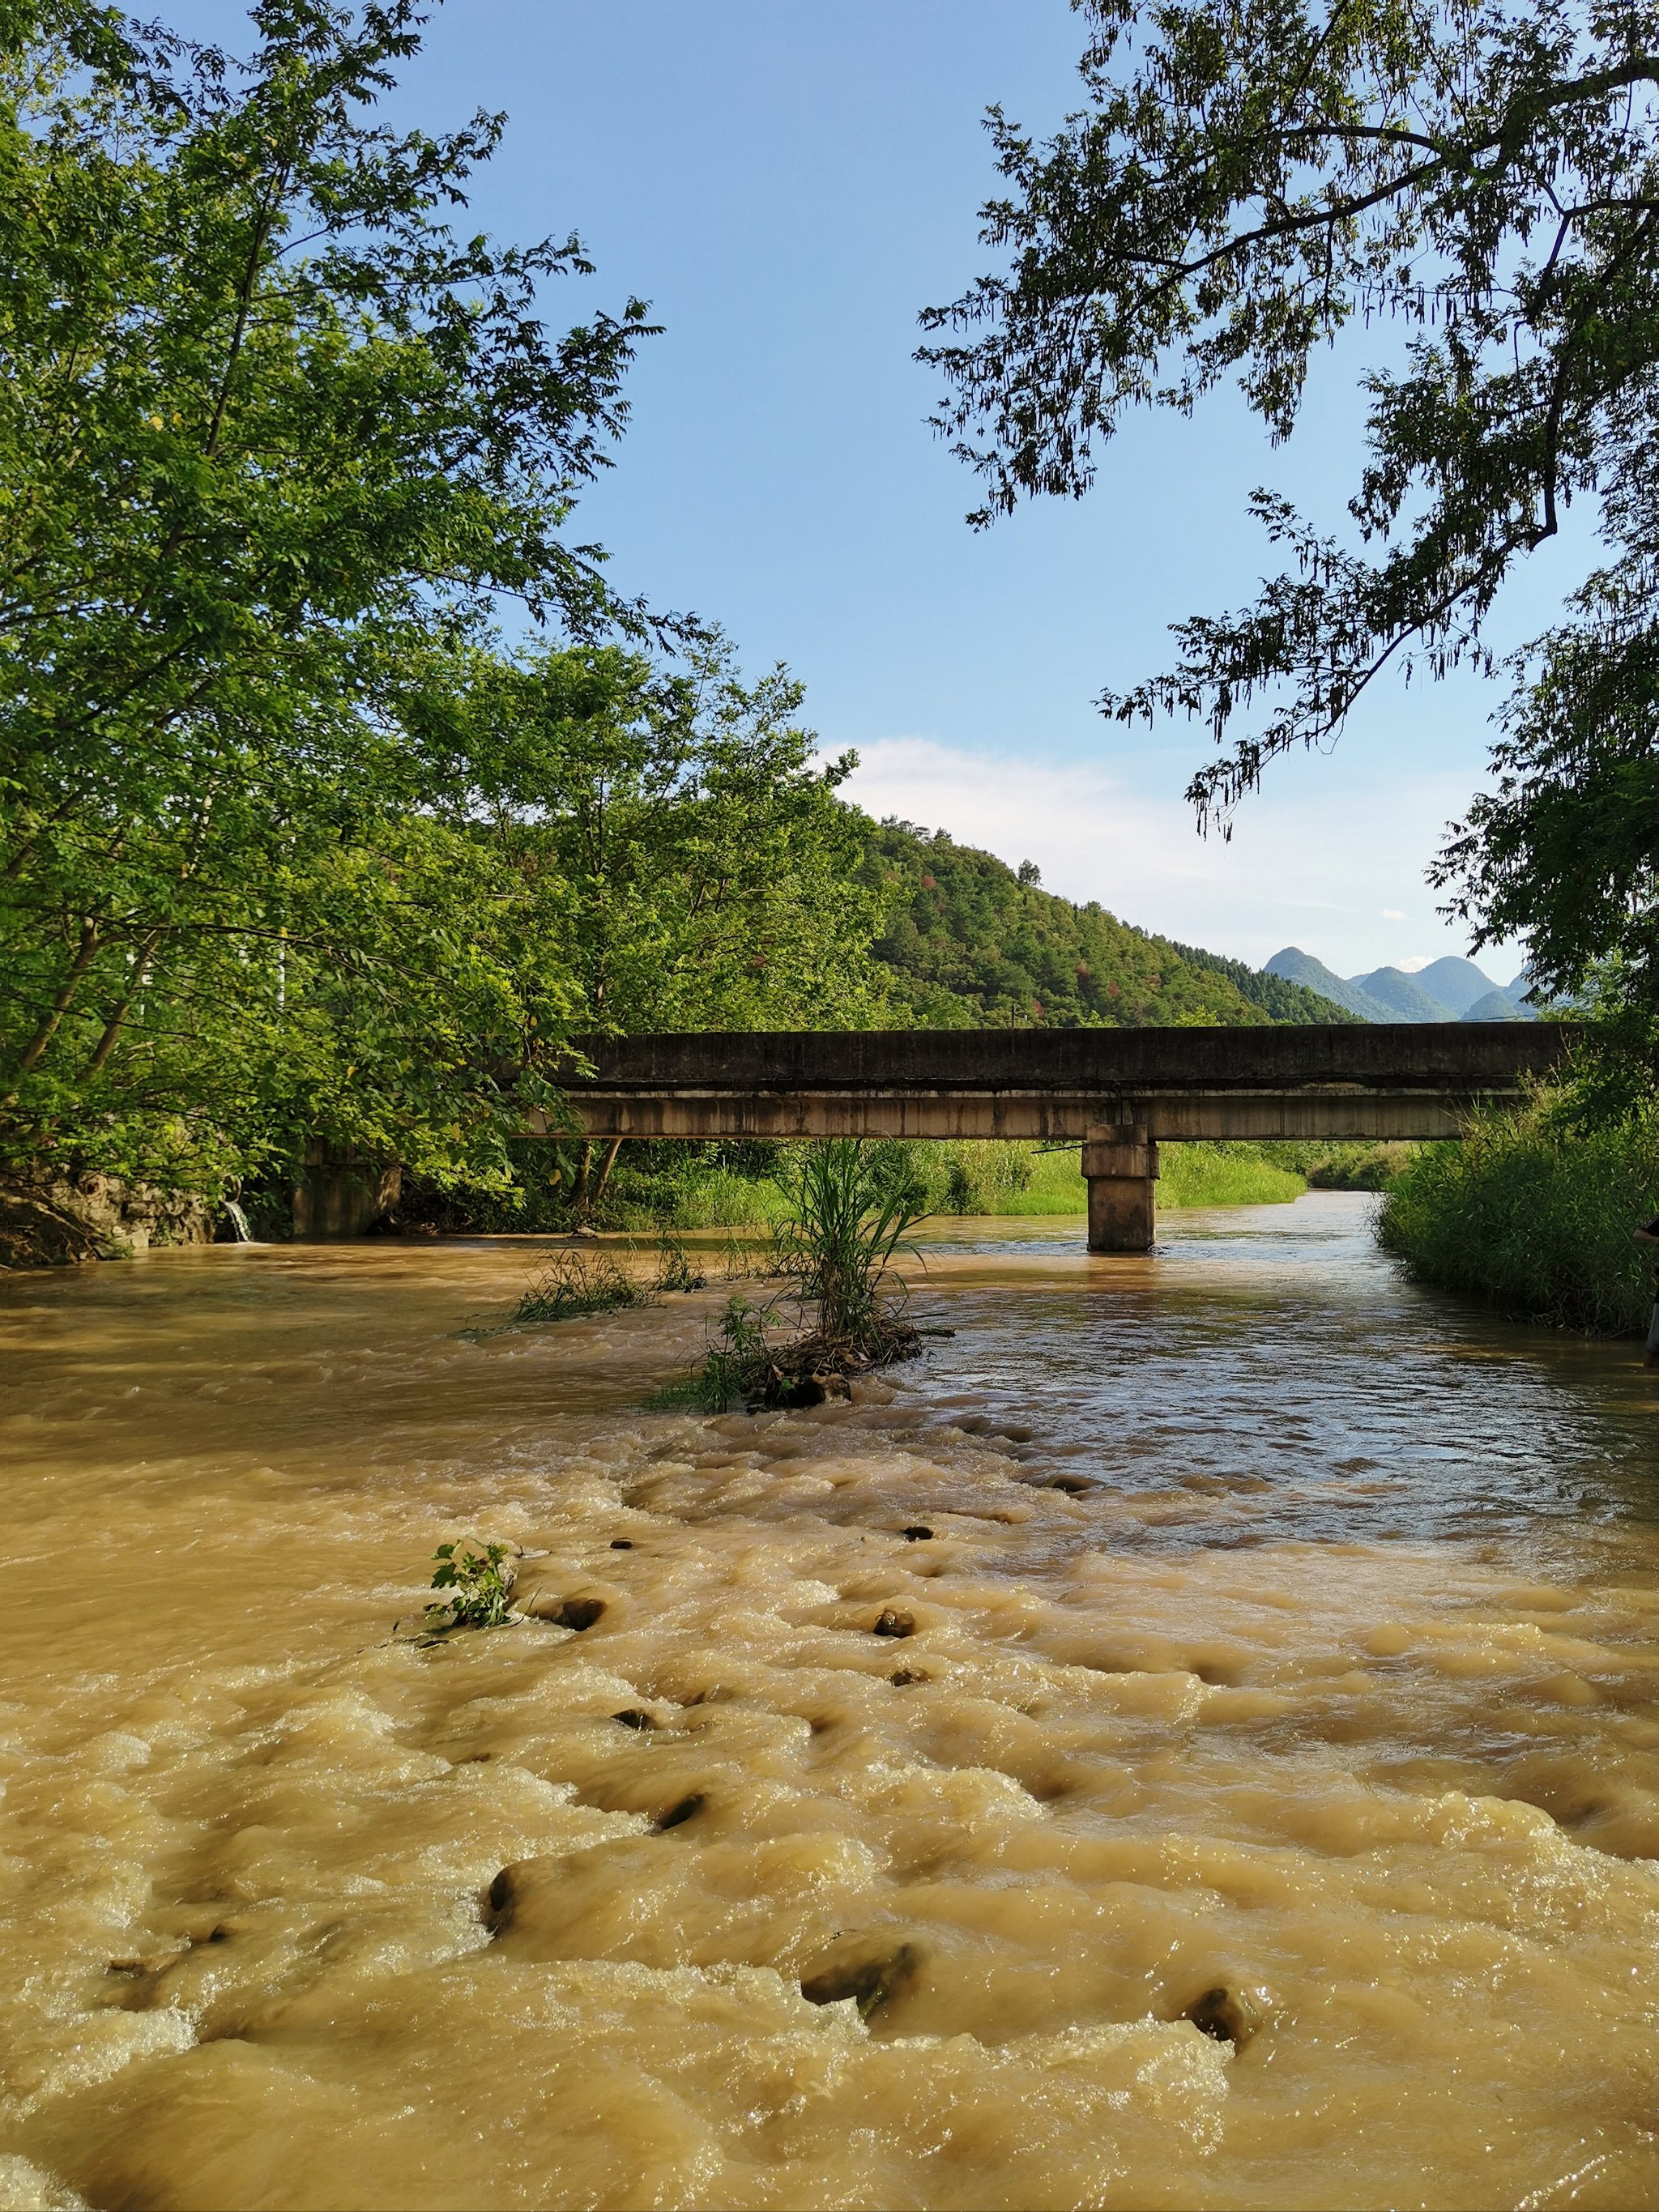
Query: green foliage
pixel 678 1184
pixel 1533 1212
pixel 987 1177
pixel 481 1580
pixel 273 439
pixel 578 1283
pixel 1280 999
pixel 1224 1174
pixel 705 874
pixel 1358 1167
pixel 674 1269
pixel 851 1204
pixel 736 1360
pixel 849 1215
pixel 1242 184
pixel 970 943
pixel 1563 848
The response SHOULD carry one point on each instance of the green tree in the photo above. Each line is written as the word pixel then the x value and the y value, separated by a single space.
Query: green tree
pixel 706 874
pixel 275 442
pixel 970 943
pixel 1248 180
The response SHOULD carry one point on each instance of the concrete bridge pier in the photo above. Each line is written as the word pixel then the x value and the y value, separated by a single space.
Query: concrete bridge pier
pixel 1120 1165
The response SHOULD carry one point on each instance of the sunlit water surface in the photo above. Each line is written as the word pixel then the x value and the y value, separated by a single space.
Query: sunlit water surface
pixel 1283 1631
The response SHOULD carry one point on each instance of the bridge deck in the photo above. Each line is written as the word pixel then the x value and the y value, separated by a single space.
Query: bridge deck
pixel 1407 1080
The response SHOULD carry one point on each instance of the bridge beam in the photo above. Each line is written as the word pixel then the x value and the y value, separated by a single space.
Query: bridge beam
pixel 1048 1115
pixel 1395 1080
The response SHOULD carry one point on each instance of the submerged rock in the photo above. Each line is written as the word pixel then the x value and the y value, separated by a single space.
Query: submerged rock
pixel 502 1898
pixel 871 1978
pixel 894 1623
pixel 1227 2015
pixel 564 1612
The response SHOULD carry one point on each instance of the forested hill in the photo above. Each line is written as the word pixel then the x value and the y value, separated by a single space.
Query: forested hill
pixel 973 944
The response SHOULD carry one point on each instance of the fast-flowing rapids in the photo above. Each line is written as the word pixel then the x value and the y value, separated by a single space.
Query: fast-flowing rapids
pixel 1246 1792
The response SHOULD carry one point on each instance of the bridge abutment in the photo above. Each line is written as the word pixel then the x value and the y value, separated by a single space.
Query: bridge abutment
pixel 1120 1165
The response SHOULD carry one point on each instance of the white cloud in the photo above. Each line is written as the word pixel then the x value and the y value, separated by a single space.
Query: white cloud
pixel 1313 872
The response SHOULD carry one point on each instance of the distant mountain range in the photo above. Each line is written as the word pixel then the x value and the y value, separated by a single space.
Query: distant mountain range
pixel 1445 991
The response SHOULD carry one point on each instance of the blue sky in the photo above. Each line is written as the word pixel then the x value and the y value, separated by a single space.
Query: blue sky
pixel 788 186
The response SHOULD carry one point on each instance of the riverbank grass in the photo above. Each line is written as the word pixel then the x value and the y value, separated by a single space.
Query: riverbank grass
pixel 1008 1181
pixel 1532 1213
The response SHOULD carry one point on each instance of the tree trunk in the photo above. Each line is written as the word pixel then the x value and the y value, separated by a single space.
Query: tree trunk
pixel 86 953
pixel 610 1161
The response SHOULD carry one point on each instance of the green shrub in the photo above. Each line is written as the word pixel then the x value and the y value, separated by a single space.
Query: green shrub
pixel 481 1584
pixel 737 1356
pixel 850 1206
pixel 1359 1167
pixel 1532 1212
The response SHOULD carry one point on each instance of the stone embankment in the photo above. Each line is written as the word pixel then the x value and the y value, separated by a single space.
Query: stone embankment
pixel 58 1219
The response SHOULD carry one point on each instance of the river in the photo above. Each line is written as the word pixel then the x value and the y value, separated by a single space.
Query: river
pixel 1257 1806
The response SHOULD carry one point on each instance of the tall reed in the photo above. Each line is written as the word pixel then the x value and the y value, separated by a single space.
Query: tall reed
pixel 845 1221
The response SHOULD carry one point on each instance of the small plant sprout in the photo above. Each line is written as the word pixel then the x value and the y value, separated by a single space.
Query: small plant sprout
pixel 480 1577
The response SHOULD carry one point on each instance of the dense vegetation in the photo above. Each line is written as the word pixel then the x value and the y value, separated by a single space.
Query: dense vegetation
pixel 970 943
pixel 298 854
pixel 339 789
pixel 295 852
pixel 964 942
pixel 681 1185
pixel 1533 1212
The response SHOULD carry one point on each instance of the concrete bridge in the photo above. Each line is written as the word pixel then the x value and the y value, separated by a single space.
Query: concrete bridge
pixel 1120 1093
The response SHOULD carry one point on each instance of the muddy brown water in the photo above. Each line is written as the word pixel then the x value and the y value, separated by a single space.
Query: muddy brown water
pixel 1267 1816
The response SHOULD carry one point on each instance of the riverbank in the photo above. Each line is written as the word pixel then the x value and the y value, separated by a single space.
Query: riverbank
pixel 685 1185
pixel 1532 1213
pixel 1255 1624
pixel 1001 1181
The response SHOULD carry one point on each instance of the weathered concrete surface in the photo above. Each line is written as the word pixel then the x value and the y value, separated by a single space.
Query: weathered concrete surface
pixel 1404 1080
pixel 340 1195
pixel 1121 1163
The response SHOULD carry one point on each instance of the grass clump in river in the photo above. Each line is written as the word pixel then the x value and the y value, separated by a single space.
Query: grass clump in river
pixel 847 1215
pixel 578 1283
pixel 1532 1211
